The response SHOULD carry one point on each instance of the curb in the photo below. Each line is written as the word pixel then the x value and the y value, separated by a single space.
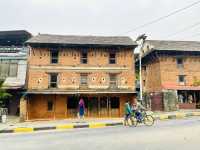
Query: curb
pixel 178 115
pixel 95 125
pixel 60 127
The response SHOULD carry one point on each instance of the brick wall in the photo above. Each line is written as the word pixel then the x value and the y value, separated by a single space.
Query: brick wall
pixel 69 68
pixel 152 76
pixel 170 71
pixel 165 71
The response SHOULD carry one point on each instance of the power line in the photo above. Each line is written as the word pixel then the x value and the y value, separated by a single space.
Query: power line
pixel 163 17
pixel 183 30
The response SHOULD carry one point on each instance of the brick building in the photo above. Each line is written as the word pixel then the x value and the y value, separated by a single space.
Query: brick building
pixel 13 62
pixel 63 69
pixel 172 67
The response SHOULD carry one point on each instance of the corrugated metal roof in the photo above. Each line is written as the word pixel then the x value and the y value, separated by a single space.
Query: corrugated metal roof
pixel 14 37
pixel 82 40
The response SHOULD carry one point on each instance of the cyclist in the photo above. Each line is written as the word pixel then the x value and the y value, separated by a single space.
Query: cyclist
pixel 137 108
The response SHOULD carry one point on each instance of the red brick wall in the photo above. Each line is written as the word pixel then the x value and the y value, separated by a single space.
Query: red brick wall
pixel 39 67
pixel 165 71
pixel 152 76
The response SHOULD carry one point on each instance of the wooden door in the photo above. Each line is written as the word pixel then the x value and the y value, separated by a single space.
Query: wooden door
pixel 93 110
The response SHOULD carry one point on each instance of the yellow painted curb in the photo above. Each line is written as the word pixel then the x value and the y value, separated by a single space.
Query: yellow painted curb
pixel 66 126
pixel 180 115
pixel 17 130
pixel 196 113
pixel 163 117
pixel 97 125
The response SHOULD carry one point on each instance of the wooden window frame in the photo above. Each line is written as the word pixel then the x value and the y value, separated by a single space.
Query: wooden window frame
pixel 84 57
pixel 113 83
pixel 81 79
pixel 50 82
pixel 112 60
pixel 54 58
pixel 180 80
pixel 178 60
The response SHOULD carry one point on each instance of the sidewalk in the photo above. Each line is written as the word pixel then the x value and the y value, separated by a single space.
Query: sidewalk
pixel 13 125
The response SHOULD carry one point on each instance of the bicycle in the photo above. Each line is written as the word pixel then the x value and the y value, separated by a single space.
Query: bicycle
pixel 148 120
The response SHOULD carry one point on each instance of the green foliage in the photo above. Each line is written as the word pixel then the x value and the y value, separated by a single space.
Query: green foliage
pixel 3 94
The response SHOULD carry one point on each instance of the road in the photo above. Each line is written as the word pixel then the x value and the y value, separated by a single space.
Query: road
pixel 164 135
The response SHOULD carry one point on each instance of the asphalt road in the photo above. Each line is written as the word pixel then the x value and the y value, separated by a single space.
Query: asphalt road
pixel 164 135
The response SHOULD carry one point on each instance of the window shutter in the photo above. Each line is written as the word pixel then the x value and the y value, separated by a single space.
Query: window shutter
pixel 13 70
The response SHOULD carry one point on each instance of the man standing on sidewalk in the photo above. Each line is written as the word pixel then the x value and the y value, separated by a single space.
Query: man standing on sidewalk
pixel 127 111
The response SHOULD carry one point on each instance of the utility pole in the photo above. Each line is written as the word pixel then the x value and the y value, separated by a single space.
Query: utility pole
pixel 141 40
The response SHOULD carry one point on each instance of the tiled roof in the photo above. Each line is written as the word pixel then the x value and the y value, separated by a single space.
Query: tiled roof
pixel 82 40
pixel 174 45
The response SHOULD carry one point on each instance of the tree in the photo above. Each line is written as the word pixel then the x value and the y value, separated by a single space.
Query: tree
pixel 4 95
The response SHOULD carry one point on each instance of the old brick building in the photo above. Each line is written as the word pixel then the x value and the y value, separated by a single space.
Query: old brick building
pixel 171 75
pixel 13 63
pixel 63 69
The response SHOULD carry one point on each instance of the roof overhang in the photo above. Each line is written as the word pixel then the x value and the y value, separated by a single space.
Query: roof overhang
pixel 63 45
pixel 180 87
pixel 79 92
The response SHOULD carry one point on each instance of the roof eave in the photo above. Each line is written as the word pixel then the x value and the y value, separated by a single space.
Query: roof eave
pixel 34 44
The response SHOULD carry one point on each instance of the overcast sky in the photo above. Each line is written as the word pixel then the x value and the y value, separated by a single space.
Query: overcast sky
pixel 101 17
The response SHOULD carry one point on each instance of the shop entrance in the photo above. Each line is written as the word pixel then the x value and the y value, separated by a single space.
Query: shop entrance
pixel 95 106
pixel 188 99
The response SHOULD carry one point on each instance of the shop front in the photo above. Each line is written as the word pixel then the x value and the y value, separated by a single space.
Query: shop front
pixel 189 99
pixel 60 106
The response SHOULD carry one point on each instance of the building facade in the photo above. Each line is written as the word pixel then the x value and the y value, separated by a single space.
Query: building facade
pixel 63 69
pixel 13 63
pixel 171 75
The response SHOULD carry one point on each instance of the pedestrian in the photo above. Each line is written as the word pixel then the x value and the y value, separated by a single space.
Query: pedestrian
pixel 127 116
pixel 81 108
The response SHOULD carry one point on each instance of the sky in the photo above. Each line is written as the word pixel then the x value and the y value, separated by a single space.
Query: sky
pixel 102 17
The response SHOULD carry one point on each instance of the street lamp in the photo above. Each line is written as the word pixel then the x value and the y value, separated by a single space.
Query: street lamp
pixel 141 40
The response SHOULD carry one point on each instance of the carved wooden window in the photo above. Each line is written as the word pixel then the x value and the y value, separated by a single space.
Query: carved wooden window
pixel 112 58
pixel 84 57
pixel 54 56
pixel 181 79
pixel 83 79
pixel 113 80
pixel 53 80
pixel 179 62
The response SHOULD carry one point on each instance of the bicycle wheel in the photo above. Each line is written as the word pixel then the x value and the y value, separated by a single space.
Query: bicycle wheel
pixel 149 120
pixel 134 121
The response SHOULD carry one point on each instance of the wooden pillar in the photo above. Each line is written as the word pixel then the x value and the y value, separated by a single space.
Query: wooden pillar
pixel 99 109
pixel 194 94
pixel 66 103
pixel 54 107
pixel 23 109
pixel 186 96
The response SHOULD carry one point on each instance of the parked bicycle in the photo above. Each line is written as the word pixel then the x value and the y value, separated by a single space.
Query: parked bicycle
pixel 144 118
